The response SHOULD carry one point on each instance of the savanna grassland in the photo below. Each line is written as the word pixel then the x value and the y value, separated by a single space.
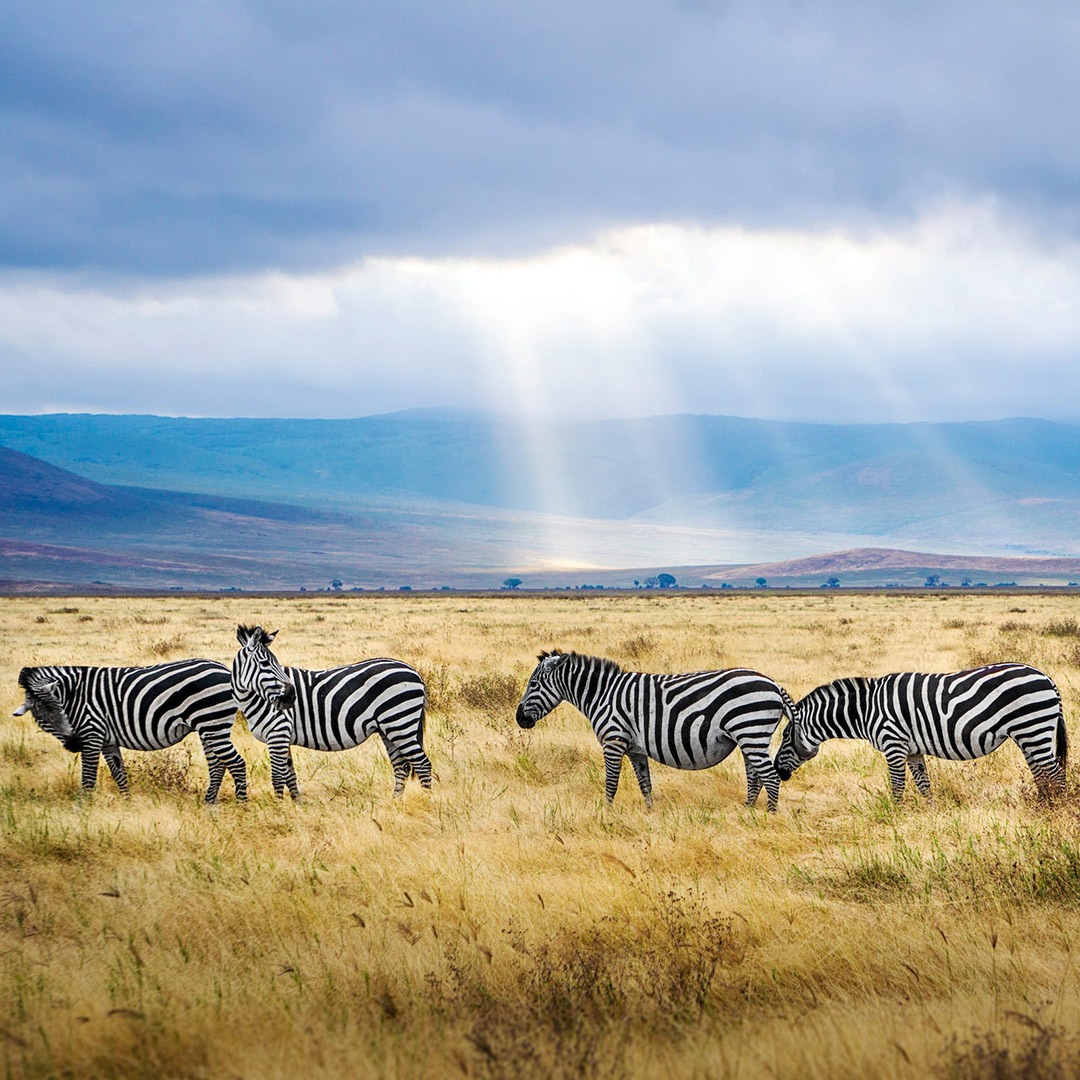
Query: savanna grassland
pixel 509 923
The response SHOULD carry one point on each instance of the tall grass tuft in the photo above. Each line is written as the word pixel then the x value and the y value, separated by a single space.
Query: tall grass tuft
pixel 491 690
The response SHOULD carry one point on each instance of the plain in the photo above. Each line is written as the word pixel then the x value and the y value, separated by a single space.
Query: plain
pixel 509 923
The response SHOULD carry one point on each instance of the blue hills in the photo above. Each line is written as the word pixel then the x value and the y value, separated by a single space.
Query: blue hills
pixel 429 498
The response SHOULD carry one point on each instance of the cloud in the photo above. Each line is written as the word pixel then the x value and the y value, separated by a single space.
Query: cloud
pixel 201 138
pixel 963 314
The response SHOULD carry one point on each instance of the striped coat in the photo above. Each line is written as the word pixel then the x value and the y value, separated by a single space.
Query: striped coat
pixel 335 709
pixel 689 721
pixel 96 711
pixel 958 716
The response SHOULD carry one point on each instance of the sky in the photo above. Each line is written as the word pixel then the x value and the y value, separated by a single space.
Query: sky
pixel 828 211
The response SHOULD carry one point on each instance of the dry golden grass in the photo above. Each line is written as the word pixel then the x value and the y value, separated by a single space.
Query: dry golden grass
pixel 509 924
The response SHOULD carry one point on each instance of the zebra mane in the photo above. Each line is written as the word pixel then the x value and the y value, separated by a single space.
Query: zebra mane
pixel 844 685
pixel 590 661
pixel 247 633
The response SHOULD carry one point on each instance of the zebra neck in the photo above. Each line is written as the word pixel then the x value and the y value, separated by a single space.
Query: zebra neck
pixel 261 716
pixel 847 716
pixel 588 687
pixel 80 689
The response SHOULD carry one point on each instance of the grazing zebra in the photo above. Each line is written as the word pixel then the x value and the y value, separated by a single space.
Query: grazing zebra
pixel 329 710
pixel 957 716
pixel 686 721
pixel 94 711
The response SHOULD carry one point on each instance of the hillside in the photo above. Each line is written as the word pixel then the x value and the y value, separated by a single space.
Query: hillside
pixel 438 500
pixel 1003 486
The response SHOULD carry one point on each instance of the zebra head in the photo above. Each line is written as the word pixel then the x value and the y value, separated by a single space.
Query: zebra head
pixel 794 750
pixel 256 670
pixel 44 698
pixel 544 689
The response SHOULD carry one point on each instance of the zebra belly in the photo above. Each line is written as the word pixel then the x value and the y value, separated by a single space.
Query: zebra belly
pixel 169 737
pixel 330 737
pixel 157 736
pixel 699 744
pixel 958 746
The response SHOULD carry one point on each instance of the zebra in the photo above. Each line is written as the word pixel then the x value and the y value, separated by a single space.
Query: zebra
pixel 957 715
pixel 94 711
pixel 329 710
pixel 689 721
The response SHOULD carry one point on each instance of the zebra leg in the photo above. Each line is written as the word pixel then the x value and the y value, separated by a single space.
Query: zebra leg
pixel 1049 773
pixel 398 763
pixel 761 768
pixel 641 770
pixel 897 762
pixel 116 767
pixel 237 767
pixel 419 762
pixel 282 772
pixel 917 765
pixel 753 782
pixel 221 755
pixel 217 773
pixel 294 787
pixel 613 755
pixel 90 755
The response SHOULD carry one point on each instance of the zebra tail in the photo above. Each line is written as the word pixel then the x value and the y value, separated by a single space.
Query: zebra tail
pixel 789 705
pixel 420 736
pixel 1061 751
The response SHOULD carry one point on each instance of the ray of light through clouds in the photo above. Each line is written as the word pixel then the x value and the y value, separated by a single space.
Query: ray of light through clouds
pixel 947 318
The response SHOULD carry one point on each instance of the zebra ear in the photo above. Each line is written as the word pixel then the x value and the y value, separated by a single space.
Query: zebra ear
pixel 22 709
pixel 268 637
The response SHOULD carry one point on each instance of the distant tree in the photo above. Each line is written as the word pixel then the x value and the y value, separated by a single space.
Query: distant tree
pixel 652 583
pixel 667 581
pixel 966 582
pixel 335 584
pixel 404 588
pixel 761 583
pixel 637 584
pixel 833 583
pixel 511 582
pixel 933 581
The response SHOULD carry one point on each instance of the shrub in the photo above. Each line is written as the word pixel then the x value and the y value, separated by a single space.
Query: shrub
pixel 491 690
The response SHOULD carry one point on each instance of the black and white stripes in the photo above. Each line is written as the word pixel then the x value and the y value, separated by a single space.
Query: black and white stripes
pixel 687 721
pixel 958 716
pixel 96 711
pixel 329 710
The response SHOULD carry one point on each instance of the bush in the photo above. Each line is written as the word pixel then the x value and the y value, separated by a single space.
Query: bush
pixel 492 690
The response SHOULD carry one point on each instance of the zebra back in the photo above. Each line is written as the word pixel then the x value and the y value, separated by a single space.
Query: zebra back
pixel 340 707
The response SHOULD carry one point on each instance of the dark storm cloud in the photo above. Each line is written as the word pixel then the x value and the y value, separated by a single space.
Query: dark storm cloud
pixel 197 137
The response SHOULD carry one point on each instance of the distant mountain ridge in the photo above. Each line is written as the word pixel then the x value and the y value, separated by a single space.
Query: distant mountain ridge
pixel 705 470
pixel 424 497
